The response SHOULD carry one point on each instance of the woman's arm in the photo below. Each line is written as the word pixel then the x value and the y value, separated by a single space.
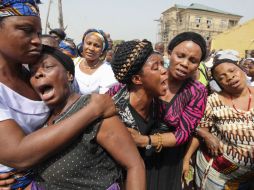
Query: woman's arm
pixel 23 151
pixel 114 137
pixel 193 145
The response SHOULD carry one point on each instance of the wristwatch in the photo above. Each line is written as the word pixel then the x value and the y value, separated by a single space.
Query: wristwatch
pixel 149 145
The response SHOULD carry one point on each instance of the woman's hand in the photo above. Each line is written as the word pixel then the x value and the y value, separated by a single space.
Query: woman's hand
pixel 6 181
pixel 213 145
pixel 186 168
pixel 103 104
pixel 140 140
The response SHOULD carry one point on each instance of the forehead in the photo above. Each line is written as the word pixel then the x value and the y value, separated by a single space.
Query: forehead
pixel 22 20
pixel 154 57
pixel 188 47
pixel 224 67
pixel 93 37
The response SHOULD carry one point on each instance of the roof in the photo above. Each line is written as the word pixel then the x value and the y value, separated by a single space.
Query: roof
pixel 197 6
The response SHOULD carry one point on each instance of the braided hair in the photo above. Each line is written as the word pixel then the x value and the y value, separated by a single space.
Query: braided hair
pixel 129 58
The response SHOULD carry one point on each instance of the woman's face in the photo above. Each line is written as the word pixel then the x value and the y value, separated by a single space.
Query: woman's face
pixel 92 48
pixel 154 76
pixel 230 77
pixel 50 80
pixel 248 67
pixel 20 38
pixel 184 60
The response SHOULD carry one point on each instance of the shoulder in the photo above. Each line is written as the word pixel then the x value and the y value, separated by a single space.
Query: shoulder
pixel 77 60
pixel 213 99
pixel 196 87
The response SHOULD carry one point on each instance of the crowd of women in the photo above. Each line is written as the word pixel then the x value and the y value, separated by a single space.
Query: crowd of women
pixel 70 122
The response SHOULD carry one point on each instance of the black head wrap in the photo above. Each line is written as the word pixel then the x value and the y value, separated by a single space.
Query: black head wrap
pixel 189 36
pixel 129 58
pixel 59 32
pixel 65 60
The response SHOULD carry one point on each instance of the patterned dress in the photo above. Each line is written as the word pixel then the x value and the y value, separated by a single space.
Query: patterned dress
pixel 235 168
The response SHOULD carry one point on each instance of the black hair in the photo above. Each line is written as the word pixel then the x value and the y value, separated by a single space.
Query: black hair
pixel 189 36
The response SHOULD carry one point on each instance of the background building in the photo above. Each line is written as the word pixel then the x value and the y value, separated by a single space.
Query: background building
pixel 198 18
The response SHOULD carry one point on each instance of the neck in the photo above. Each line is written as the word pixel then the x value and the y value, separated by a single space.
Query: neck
pixel 64 105
pixel 9 70
pixel 92 63
pixel 243 93
pixel 174 83
pixel 141 102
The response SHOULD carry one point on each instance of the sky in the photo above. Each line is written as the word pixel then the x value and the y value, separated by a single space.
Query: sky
pixel 127 19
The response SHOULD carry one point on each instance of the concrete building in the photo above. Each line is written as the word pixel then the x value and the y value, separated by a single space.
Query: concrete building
pixel 197 18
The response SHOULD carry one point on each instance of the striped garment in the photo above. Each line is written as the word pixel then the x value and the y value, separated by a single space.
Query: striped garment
pixel 183 113
pixel 236 134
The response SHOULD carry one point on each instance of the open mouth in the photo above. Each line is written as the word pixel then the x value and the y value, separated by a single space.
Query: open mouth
pixel 164 83
pixel 234 83
pixel 46 92
pixel 181 73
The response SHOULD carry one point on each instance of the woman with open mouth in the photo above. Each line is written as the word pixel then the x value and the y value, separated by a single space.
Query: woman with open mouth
pixel 91 161
pixel 144 79
pixel 227 128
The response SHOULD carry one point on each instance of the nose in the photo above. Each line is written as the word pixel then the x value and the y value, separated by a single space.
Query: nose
pixel 36 40
pixel 230 76
pixel 39 73
pixel 185 63
pixel 163 70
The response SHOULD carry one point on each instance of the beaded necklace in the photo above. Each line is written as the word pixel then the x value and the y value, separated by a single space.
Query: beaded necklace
pixel 249 103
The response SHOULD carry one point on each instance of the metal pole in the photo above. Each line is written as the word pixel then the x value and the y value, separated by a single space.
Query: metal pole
pixel 46 25
pixel 61 24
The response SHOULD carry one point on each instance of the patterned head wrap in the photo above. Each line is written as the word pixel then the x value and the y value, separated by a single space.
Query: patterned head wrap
pixel 65 45
pixel 225 56
pixel 18 8
pixel 129 58
pixel 189 36
pixel 100 34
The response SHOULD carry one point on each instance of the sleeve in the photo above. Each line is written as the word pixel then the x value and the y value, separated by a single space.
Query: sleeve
pixel 207 120
pixel 191 116
pixel 4 112
pixel 107 80
pixel 114 89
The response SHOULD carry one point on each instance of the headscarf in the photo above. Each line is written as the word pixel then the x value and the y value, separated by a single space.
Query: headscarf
pixel 65 45
pixel 18 8
pixel 189 36
pixel 129 58
pixel 100 34
pixel 225 56
pixel 65 60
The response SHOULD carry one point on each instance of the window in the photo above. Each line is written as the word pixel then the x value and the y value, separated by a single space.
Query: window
pixel 198 19
pixel 223 23
pixel 209 22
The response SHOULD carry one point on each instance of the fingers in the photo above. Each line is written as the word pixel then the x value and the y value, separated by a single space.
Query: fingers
pixel 5 188
pixel 5 182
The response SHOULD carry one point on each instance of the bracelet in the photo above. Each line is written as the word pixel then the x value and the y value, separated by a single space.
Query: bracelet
pixel 160 143
pixel 149 145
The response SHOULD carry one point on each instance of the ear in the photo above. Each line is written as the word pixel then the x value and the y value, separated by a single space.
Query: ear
pixel 70 76
pixel 136 79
